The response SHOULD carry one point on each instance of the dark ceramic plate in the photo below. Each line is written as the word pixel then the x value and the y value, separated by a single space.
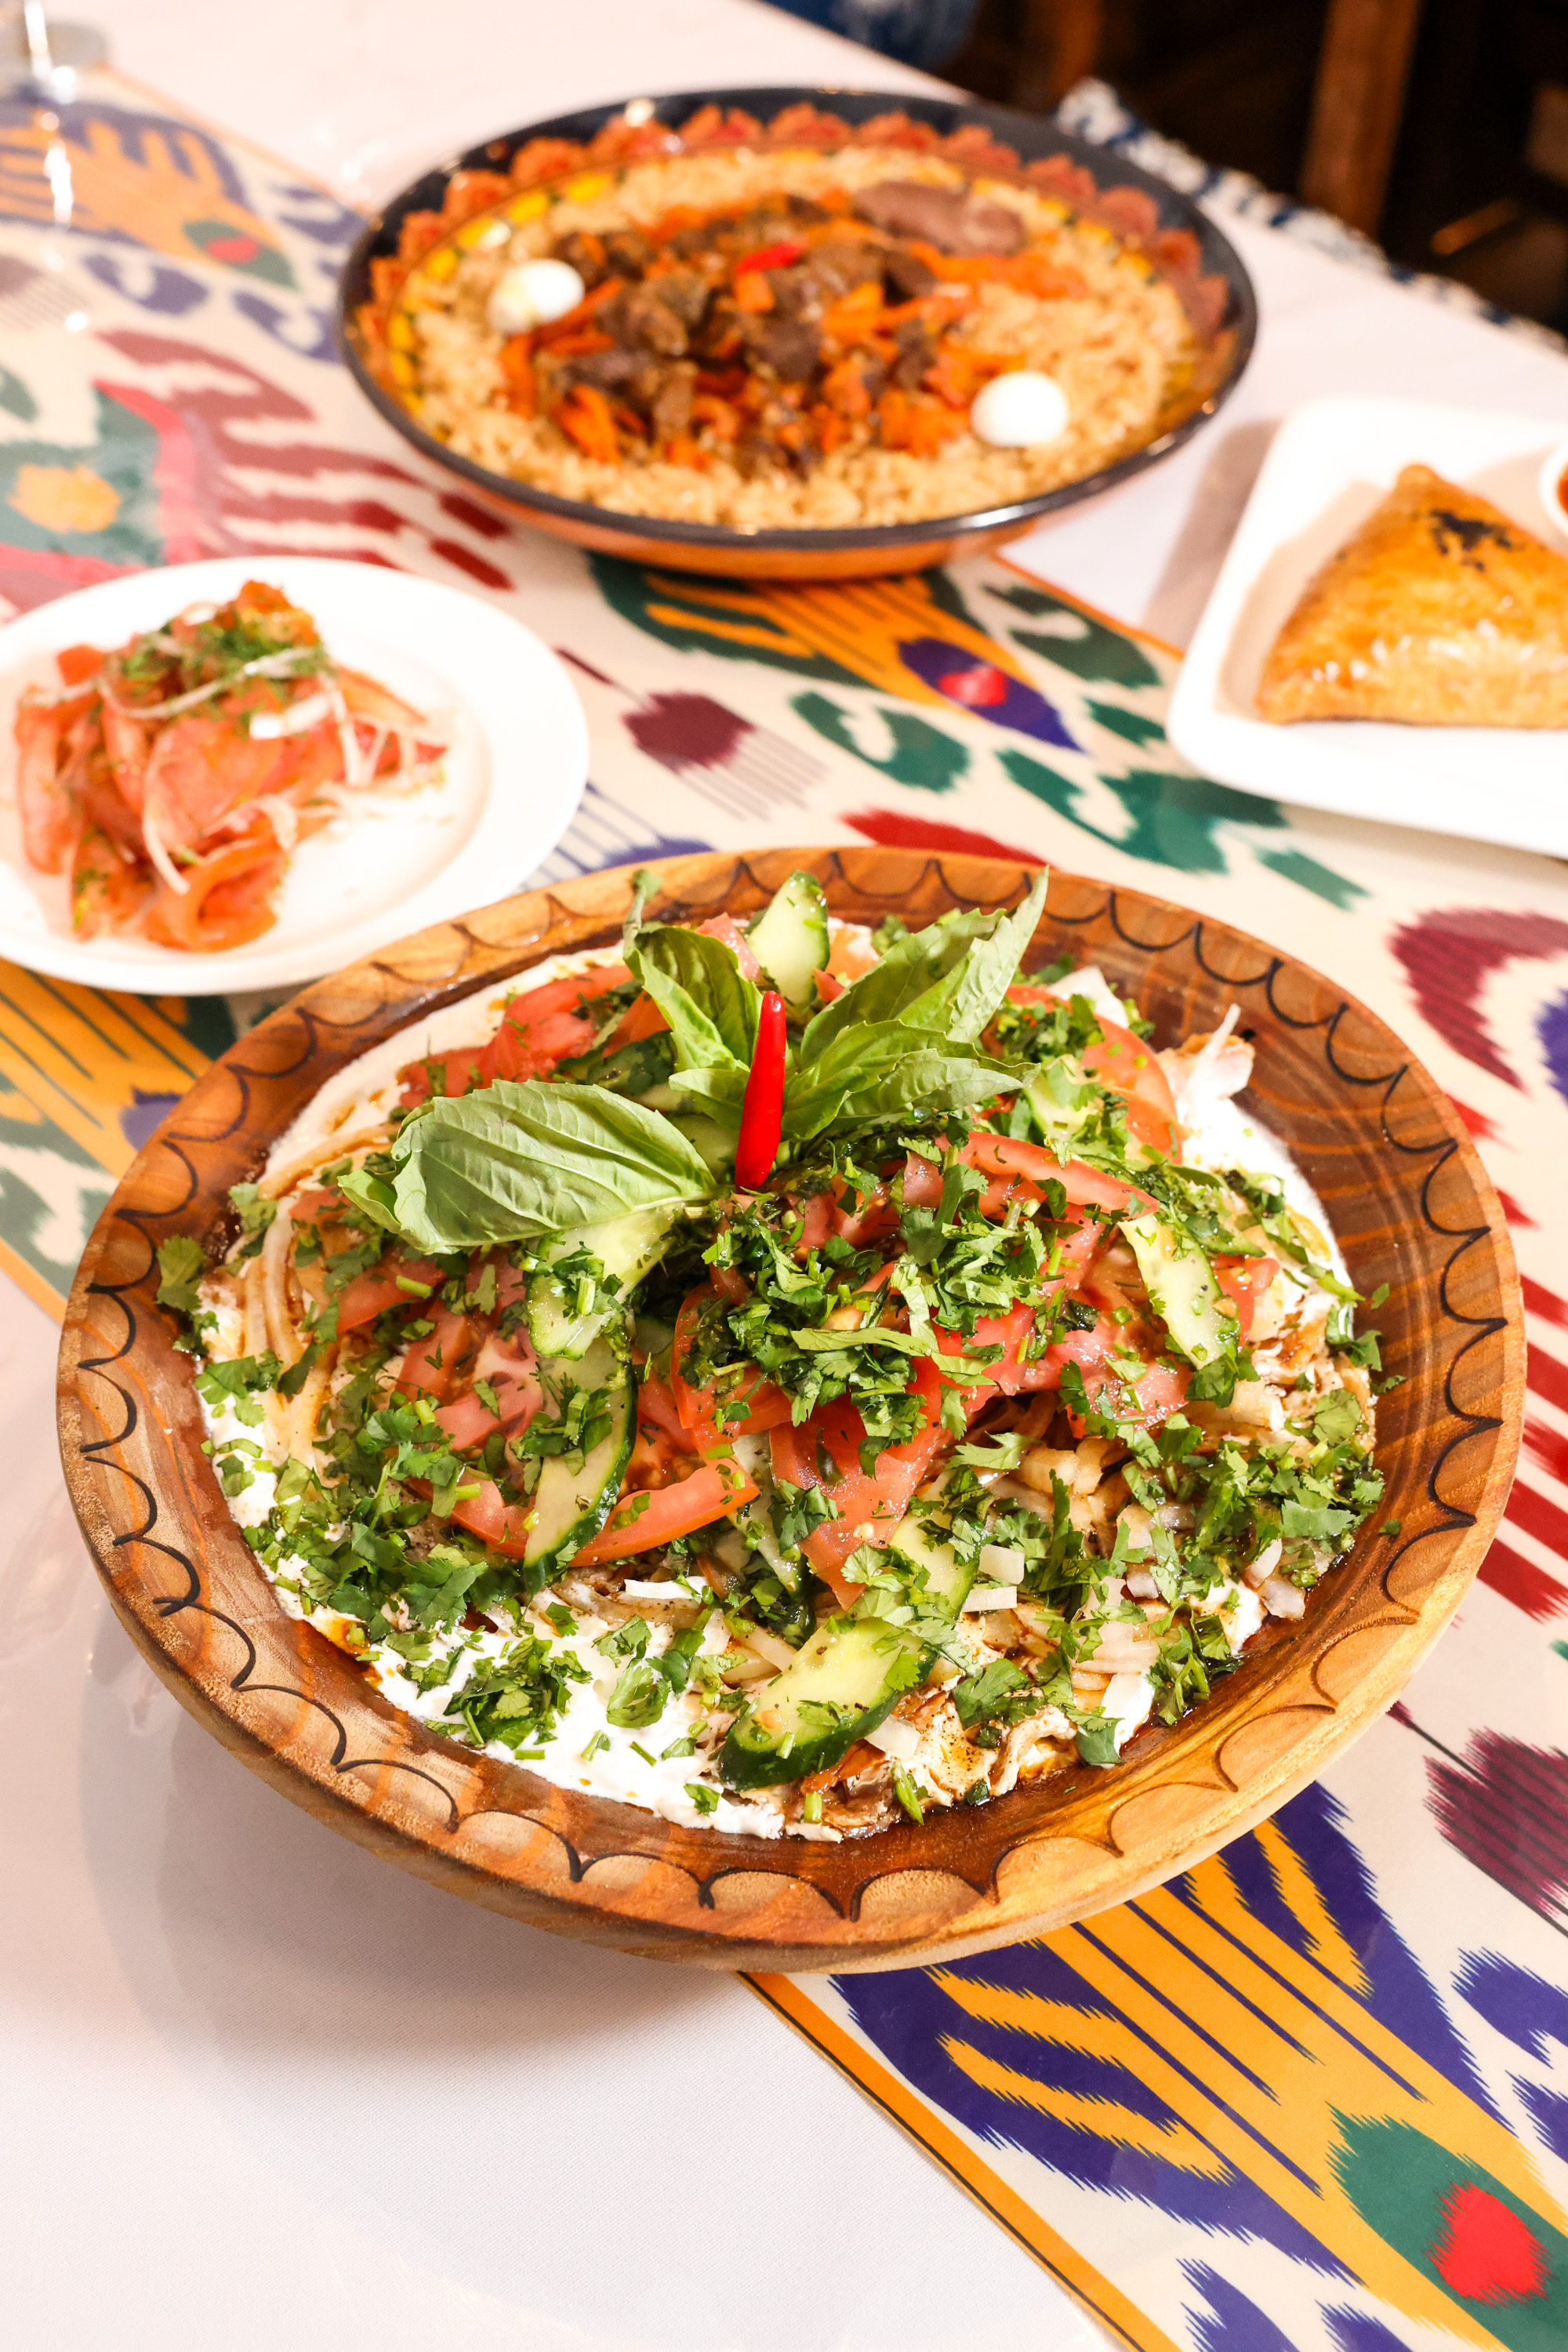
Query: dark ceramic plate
pixel 1182 244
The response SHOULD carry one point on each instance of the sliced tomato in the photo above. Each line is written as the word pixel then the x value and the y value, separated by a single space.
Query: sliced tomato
pixel 510 1369
pixel 1031 1167
pixel 659 1515
pixel 503 1526
pixel 1147 1397
pixel 543 1025
pixel 1130 1068
pixel 656 1405
pixel 372 1293
pixel 872 1216
pixel 460 1072
pixel 816 1218
pixel 726 927
pixel 878 1501
pixel 697 1407
pixel 1244 1281
pixel 431 1364
pixel 642 1018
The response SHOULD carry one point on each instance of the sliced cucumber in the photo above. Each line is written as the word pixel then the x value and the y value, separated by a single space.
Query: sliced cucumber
pixel 565 1317
pixel 847 1677
pixel 789 939
pixel 576 1494
pixel 1183 1288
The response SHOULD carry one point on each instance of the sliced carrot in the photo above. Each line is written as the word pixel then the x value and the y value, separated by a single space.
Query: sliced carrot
pixel 586 414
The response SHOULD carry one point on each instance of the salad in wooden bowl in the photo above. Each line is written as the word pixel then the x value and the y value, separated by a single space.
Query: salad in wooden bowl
pixel 840 1396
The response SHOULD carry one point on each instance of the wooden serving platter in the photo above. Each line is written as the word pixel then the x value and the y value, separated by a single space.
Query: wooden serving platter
pixel 1406 1195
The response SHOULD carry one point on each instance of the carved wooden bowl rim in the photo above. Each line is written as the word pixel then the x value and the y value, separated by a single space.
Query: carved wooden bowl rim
pixel 1405 1191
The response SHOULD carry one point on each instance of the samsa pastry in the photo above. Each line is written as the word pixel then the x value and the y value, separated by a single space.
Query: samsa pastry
pixel 1442 611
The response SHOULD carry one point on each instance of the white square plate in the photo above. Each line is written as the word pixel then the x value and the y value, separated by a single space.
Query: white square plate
pixel 1328 466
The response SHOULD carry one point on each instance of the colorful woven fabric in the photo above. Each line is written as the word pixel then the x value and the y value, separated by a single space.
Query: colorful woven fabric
pixel 1303 2099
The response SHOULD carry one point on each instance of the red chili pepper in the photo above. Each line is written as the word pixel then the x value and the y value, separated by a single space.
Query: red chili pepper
pixel 769 257
pixel 761 1112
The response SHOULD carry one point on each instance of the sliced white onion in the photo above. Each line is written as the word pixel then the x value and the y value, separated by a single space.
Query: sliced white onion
pixel 1282 1599
pixel 1259 1570
pixel 1002 1563
pixel 770 1646
pixel 985 1597
pixel 896 1739
pixel 298 719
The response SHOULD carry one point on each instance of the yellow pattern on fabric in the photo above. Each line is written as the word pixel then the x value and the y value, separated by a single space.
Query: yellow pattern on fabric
pixel 81 1058
pixel 155 198
pixel 1284 2053
pixel 860 626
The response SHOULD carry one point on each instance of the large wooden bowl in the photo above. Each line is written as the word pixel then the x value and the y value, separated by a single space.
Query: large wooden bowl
pixel 1410 1202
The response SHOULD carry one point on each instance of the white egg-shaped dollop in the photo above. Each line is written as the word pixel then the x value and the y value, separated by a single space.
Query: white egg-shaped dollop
pixel 532 294
pixel 1019 410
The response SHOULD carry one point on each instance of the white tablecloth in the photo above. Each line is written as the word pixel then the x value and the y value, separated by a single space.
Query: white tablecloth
pixel 260 2089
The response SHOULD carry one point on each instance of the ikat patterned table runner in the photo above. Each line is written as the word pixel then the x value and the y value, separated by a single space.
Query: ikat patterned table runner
pixel 1309 2096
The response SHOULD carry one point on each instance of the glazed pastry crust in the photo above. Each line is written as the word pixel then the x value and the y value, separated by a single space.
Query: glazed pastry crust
pixel 1441 611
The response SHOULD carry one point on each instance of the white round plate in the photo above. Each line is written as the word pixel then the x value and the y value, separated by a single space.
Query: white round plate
pixel 512 778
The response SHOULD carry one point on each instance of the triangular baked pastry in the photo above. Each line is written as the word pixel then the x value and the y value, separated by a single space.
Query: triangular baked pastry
pixel 1441 611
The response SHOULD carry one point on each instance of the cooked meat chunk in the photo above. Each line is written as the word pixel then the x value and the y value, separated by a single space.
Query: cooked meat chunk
pixel 642 318
pixel 628 252
pixel 840 262
pixel 586 252
pixel 908 277
pixel 670 411
pixel 684 292
pixel 917 349
pixel 613 370
pixel 955 220
pixel 788 346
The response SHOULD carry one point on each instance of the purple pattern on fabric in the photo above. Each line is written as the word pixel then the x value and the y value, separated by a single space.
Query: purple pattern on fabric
pixel 1552 1028
pixel 1232 2323
pixel 958 675
pixel 1402 1999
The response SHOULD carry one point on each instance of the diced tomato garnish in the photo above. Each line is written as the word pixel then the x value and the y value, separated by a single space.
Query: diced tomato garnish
pixel 1032 1167
pixel 656 1405
pixel 539 1028
pixel 878 1501
pixel 659 1515
pixel 768 1404
pixel 726 927
pixel 458 1073
pixel 542 1025
pixel 372 1293
pixel 1244 1281
pixel 431 1363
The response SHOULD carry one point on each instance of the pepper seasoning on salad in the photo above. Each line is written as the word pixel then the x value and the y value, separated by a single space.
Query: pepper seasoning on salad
pixel 983 1415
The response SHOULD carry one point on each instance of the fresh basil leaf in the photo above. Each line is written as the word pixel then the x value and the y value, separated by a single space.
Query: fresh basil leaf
pixel 698 986
pixel 884 1073
pixel 947 981
pixel 517 1160
pixel 719 1092
pixel 372 1196
pixel 983 979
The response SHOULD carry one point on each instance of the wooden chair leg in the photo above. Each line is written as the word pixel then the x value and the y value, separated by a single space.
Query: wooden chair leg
pixel 1357 101
pixel 1061 44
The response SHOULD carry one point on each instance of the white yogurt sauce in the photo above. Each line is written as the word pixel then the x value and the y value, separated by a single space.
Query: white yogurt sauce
pixel 1220 1135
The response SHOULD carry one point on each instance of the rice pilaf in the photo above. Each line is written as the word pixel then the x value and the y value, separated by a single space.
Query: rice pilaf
pixel 794 454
